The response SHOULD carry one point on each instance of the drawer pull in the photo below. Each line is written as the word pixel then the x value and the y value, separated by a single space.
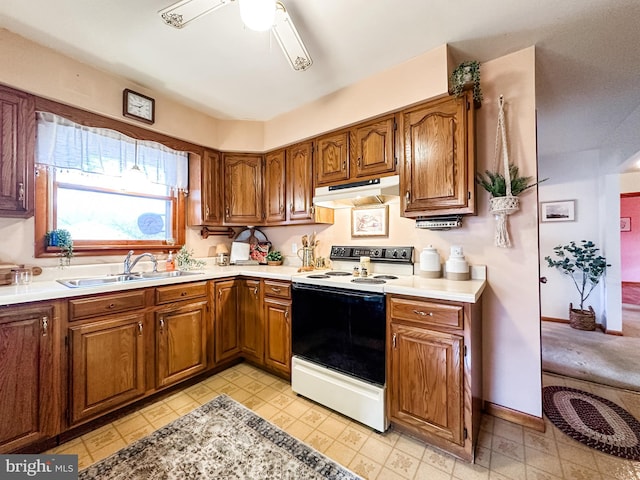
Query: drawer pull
pixel 423 314
pixel 255 291
pixel 111 306
pixel 45 326
pixel 139 328
pixel 394 340
pixel 182 294
pixel 21 192
pixel 276 289
pixel 161 324
pixel 286 313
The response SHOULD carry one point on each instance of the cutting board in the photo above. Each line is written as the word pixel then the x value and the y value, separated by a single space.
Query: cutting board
pixel 239 251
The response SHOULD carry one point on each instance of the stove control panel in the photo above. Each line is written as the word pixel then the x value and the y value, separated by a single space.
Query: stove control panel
pixel 377 254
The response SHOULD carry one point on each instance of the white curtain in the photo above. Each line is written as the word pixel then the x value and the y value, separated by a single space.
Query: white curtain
pixel 64 144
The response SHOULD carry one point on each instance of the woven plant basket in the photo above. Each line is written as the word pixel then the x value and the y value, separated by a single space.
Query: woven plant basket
pixel 582 319
pixel 506 205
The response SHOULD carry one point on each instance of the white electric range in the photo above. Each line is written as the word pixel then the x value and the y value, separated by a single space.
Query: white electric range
pixel 338 331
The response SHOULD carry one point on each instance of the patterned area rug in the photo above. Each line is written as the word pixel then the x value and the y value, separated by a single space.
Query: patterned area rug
pixel 593 421
pixel 220 440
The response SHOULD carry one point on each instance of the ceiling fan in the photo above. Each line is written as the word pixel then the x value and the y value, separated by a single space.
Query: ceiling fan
pixel 260 15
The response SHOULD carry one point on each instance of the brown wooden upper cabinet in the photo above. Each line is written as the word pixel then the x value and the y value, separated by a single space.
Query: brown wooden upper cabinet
pixel 373 151
pixel 300 183
pixel 243 200
pixel 205 189
pixel 437 177
pixel 331 164
pixel 17 150
pixel 367 150
pixel 274 187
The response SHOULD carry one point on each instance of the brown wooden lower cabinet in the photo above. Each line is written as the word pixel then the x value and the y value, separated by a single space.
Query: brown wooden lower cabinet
pixel 227 328
pixel 181 342
pixel 250 319
pixel 277 325
pixel 107 364
pixel 434 371
pixel 30 385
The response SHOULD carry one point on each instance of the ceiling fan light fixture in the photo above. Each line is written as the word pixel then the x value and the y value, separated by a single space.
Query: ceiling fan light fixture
pixel 289 40
pixel 181 13
pixel 258 15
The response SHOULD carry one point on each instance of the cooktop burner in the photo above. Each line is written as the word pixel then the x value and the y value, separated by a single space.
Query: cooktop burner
pixel 319 276
pixel 368 280
pixel 337 273
pixel 386 277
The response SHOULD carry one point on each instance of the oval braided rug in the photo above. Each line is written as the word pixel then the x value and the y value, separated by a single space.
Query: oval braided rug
pixel 592 420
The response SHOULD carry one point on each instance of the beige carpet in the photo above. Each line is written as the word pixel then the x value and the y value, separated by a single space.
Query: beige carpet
pixel 594 356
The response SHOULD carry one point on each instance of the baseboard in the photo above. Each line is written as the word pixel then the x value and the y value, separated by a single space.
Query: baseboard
pixel 598 325
pixel 515 416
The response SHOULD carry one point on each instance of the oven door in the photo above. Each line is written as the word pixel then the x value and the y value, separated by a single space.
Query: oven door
pixel 341 329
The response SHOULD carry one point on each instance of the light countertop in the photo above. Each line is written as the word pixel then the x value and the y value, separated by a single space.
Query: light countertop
pixel 45 287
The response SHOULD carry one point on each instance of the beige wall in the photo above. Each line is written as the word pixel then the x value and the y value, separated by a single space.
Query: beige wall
pixel 511 304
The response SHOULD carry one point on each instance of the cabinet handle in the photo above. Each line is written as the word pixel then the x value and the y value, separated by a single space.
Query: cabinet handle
pixel 206 211
pixel 358 162
pixel 291 207
pixel 281 209
pixel 313 209
pixel 219 294
pixel 21 192
pixel 423 314
pixel 394 340
pixel 344 164
pixel 139 328
pixel 255 291
pixel 408 196
pixel 45 326
pixel 276 289
pixel 183 294
pixel 286 313
pixel 227 212
pixel 111 306
pixel 161 324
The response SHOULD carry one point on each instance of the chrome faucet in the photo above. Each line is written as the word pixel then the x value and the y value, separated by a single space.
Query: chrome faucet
pixel 128 264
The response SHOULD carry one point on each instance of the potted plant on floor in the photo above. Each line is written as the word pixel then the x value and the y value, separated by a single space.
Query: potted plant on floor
pixel 585 267
pixel 274 257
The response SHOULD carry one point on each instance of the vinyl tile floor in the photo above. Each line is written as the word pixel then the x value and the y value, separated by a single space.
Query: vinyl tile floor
pixel 505 450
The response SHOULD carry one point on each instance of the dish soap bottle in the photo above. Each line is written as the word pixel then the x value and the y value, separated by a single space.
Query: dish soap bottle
pixel 171 263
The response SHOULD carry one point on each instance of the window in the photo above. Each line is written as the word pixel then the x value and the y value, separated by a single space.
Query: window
pixel 110 191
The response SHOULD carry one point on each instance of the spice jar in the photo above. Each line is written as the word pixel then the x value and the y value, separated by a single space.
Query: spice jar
pixel 356 271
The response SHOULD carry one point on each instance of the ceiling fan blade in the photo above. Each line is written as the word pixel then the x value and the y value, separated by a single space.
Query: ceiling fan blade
pixel 181 13
pixel 289 40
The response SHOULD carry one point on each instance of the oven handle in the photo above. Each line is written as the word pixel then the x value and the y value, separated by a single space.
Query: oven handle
pixel 341 291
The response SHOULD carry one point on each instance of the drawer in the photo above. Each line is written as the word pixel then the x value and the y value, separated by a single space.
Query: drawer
pixel 277 289
pixel 438 314
pixel 94 306
pixel 176 293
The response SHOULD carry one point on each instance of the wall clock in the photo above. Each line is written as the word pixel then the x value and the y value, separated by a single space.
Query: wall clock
pixel 138 106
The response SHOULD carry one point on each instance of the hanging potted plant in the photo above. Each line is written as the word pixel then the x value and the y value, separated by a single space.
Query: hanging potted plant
pixel 464 76
pixel 61 238
pixel 586 268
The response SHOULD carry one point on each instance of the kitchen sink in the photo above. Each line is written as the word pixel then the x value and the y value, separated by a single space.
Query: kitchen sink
pixel 121 278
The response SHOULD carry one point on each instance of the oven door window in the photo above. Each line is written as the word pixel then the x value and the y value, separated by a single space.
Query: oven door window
pixel 341 329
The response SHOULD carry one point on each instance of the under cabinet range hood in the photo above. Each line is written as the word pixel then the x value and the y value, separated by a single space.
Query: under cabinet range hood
pixel 382 190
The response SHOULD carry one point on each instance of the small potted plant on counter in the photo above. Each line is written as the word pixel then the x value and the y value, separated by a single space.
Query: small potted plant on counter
pixel 586 268
pixel 274 257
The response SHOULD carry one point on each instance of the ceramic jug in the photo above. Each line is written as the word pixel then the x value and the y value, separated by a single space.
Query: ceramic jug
pixel 308 258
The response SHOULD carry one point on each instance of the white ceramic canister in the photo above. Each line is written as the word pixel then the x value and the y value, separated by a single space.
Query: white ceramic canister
pixel 457 267
pixel 430 266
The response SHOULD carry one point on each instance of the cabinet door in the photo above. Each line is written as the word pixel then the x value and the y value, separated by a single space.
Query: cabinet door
pixel 439 161
pixel 181 342
pixel 331 162
pixel 28 391
pixel 426 373
pixel 274 187
pixel 107 364
pixel 205 189
pixel 227 328
pixel 300 183
pixel 277 326
pixel 17 147
pixel 250 318
pixel 243 202
pixel 373 148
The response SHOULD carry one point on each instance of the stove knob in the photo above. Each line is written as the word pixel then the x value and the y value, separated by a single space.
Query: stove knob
pixel 395 254
pixel 404 254
pixel 375 253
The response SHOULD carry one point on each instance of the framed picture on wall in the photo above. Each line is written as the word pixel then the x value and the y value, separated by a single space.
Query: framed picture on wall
pixel 370 221
pixel 559 211
pixel 625 224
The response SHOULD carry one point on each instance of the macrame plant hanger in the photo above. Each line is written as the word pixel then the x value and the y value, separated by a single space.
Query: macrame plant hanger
pixel 503 206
